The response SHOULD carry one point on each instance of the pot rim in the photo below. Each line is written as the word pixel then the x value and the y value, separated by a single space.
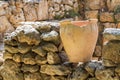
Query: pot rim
pixel 80 23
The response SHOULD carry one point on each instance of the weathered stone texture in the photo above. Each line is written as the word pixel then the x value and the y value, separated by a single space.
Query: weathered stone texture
pixel 107 17
pixel 91 14
pixel 42 11
pixel 30 12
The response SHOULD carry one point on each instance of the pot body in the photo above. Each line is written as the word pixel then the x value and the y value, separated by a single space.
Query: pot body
pixel 79 39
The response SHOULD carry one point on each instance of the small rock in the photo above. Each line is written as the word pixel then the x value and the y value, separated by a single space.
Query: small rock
pixel 32 76
pixel 91 14
pixel 10 42
pixel 112 4
pixel 56 7
pixel 109 25
pixel 5 25
pixel 111 34
pixel 90 67
pixel 40 60
pixel 43 27
pixel 29 68
pixel 58 78
pixel 92 79
pixel 50 36
pixel 68 8
pixel 104 74
pixel 68 2
pixel 29 58
pixel 111 53
pixel 7 55
pixel 107 17
pixel 117 70
pixel 11 49
pixel 42 11
pixel 98 51
pixel 39 51
pixel 45 76
pixel 55 70
pixel 17 57
pixel 19 4
pixel 10 67
pixel 109 63
pixel 49 47
pixel 79 74
pixel 57 1
pixel 53 58
pixel 23 48
pixel 92 4
pixel 17 16
pixel 2 11
pixel 117 17
pixel 63 56
pixel 26 33
pixel 30 12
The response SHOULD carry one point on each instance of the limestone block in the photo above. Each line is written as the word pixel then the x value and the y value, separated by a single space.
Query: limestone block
pixel 30 12
pixel 109 25
pixel 111 34
pixel 104 74
pixel 53 58
pixel 98 51
pixel 55 70
pixel 68 8
pixel 2 11
pixel 17 16
pixel 107 17
pixel 117 17
pixel 29 68
pixel 79 74
pixel 58 1
pixel 11 49
pixel 10 67
pixel 92 4
pixel 17 57
pixel 49 47
pixel 91 14
pixel 118 25
pixel 112 4
pixel 32 76
pixel 68 2
pixel 5 25
pixel 52 36
pixel 58 78
pixel 40 60
pixel 38 50
pixel 7 55
pixel 90 67
pixel 111 53
pixel 42 11
pixel 29 58
pixel 28 34
pixel 56 7
pixel 23 48
pixel 43 27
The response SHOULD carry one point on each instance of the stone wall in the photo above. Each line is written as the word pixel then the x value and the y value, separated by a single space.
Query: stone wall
pixel 106 11
pixel 14 11
pixel 48 64
pixel 34 52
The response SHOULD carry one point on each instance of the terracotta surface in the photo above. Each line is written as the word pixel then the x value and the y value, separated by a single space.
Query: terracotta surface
pixel 79 39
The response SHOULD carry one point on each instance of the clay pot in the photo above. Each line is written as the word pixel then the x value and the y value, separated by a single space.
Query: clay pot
pixel 79 39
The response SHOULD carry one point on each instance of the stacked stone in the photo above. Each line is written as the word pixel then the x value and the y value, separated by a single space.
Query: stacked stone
pixel 111 48
pixel 32 53
pixel 95 71
pixel 59 9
